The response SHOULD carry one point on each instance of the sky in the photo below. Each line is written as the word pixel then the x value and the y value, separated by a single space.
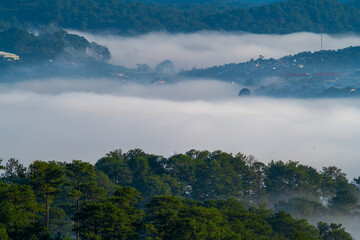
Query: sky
pixel 206 49
pixel 66 119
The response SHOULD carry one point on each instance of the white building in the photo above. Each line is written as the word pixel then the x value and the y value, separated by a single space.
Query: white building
pixel 9 56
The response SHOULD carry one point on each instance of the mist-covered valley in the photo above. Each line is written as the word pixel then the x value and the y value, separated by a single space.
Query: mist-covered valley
pixel 132 75
pixel 67 93
pixel 289 66
pixel 65 119
pixel 205 107
pixel 86 118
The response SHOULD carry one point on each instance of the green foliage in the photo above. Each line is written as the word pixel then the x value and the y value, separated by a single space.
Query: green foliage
pixel 50 45
pixel 116 217
pixel 80 178
pixel 198 175
pixel 28 46
pixel 115 167
pixel 3 233
pixel 104 182
pixel 302 208
pixel 249 223
pixel 133 169
pixel 46 179
pixel 332 179
pixel 333 231
pixel 346 198
pixel 18 210
pixel 1 166
pixel 15 172
pixel 60 222
pixel 169 219
pixel 284 225
pixel 197 195
pixel 253 179
pixel 291 178
pixel 136 17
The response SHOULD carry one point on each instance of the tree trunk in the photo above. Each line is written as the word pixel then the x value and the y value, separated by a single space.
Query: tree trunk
pixel 47 216
pixel 78 220
pixel 78 211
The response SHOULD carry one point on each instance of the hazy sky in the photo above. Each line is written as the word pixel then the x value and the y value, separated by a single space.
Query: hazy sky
pixel 77 119
pixel 206 49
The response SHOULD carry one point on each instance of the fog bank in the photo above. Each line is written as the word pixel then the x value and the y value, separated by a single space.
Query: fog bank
pixel 58 122
pixel 205 49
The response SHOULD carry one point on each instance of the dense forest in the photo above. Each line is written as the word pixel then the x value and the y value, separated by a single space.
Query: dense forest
pixel 128 17
pixel 212 2
pixel 49 44
pixel 49 51
pixel 196 195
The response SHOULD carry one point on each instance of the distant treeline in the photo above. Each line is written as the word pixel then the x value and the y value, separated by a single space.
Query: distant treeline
pixel 128 17
pixel 196 195
pixel 211 2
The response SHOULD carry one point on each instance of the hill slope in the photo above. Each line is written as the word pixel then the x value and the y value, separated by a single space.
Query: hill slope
pixel 128 17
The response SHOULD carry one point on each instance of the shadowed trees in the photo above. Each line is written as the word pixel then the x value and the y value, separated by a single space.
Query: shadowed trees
pixel 46 179
pixel 81 176
pixel 196 195
pixel 116 217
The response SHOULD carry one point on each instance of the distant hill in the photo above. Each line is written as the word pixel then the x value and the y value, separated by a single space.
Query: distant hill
pixel 342 60
pixel 290 16
pixel 51 52
pixel 129 17
pixel 49 45
pixel 216 2
pixel 244 3
pixel 333 73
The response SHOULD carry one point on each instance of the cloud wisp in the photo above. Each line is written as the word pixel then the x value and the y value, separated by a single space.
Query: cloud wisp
pixel 205 49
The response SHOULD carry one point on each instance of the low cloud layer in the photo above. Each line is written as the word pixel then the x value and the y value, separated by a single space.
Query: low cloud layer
pixel 188 90
pixel 207 49
pixel 63 123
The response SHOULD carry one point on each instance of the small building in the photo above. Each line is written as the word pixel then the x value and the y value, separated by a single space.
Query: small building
pixel 9 56
pixel 159 82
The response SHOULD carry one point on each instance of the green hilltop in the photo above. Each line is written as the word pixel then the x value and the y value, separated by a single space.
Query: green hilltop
pixel 131 17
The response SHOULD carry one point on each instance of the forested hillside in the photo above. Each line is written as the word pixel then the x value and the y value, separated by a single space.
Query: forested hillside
pixel 196 195
pixel 212 2
pixel 127 17
pixel 49 45
pixel 341 60
pixel 327 73
pixel 48 52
